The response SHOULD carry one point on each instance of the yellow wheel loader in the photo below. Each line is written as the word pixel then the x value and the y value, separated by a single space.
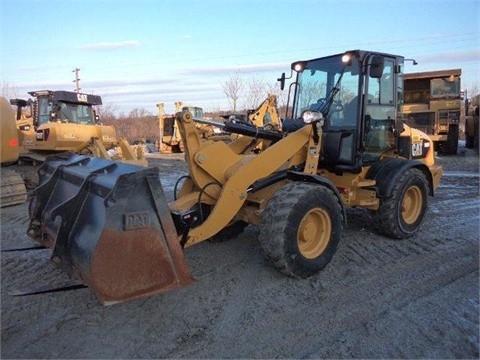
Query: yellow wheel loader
pixel 13 190
pixel 342 145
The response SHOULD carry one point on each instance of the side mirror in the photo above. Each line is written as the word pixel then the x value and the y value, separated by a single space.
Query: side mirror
pixel 376 66
pixel 282 81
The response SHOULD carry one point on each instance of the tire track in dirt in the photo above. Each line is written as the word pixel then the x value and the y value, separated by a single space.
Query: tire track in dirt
pixel 384 298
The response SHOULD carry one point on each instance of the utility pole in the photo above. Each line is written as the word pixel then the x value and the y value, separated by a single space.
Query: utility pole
pixel 77 80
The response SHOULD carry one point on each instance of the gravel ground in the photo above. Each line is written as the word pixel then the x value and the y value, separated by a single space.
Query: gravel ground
pixel 378 298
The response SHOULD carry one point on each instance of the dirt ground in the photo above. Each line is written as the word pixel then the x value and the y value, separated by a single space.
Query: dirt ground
pixel 378 298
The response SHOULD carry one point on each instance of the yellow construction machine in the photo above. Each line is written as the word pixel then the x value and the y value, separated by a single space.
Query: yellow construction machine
pixel 343 144
pixel 67 121
pixel 432 104
pixel 472 128
pixel 170 139
pixel 12 189
pixel 264 116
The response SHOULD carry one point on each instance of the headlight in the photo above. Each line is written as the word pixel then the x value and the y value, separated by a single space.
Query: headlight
pixel 310 116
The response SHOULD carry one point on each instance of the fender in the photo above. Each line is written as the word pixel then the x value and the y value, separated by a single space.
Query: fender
pixel 317 179
pixel 387 172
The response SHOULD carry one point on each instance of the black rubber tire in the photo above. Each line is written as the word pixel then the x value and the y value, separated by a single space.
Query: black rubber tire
pixel 401 214
pixel 296 207
pixel 450 147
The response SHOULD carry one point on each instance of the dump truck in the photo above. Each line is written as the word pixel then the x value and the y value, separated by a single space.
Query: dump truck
pixel 433 103
pixel 344 145
pixel 13 190
pixel 66 121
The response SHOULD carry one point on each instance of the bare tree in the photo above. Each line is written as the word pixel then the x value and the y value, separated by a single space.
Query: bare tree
pixel 282 96
pixel 473 91
pixel 106 112
pixel 233 88
pixel 9 91
pixel 256 92
pixel 139 113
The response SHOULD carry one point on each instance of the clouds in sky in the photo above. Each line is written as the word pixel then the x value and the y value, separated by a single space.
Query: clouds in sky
pixel 106 46
pixel 453 57
pixel 132 81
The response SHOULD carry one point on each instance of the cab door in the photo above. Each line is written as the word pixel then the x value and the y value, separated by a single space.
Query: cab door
pixel 380 108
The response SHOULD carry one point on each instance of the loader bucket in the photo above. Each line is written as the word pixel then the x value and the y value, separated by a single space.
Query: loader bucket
pixel 109 225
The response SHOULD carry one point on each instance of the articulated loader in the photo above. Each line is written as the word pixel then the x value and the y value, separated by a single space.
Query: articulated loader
pixel 343 144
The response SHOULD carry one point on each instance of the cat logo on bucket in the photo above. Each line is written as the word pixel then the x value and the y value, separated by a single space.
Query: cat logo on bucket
pixel 136 220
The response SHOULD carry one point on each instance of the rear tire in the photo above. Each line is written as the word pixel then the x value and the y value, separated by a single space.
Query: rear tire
pixel 301 228
pixel 401 214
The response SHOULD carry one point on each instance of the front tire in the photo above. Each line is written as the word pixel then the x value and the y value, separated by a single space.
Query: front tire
pixel 401 214
pixel 301 228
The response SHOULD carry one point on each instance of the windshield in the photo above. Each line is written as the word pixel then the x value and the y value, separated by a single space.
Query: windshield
pixel 446 87
pixel 65 112
pixel 315 86
pixel 75 113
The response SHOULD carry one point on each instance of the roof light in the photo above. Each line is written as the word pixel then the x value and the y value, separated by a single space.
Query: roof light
pixel 346 58
pixel 299 66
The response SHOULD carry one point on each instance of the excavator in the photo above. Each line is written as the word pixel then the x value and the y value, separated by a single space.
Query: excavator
pixel 343 144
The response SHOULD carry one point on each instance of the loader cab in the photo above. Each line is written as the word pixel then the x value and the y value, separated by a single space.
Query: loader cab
pixel 359 94
pixel 65 107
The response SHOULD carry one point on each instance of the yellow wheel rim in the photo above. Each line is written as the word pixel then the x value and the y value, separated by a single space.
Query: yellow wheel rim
pixel 314 233
pixel 412 205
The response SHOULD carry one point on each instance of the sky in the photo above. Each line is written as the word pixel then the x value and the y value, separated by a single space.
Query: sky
pixel 135 54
